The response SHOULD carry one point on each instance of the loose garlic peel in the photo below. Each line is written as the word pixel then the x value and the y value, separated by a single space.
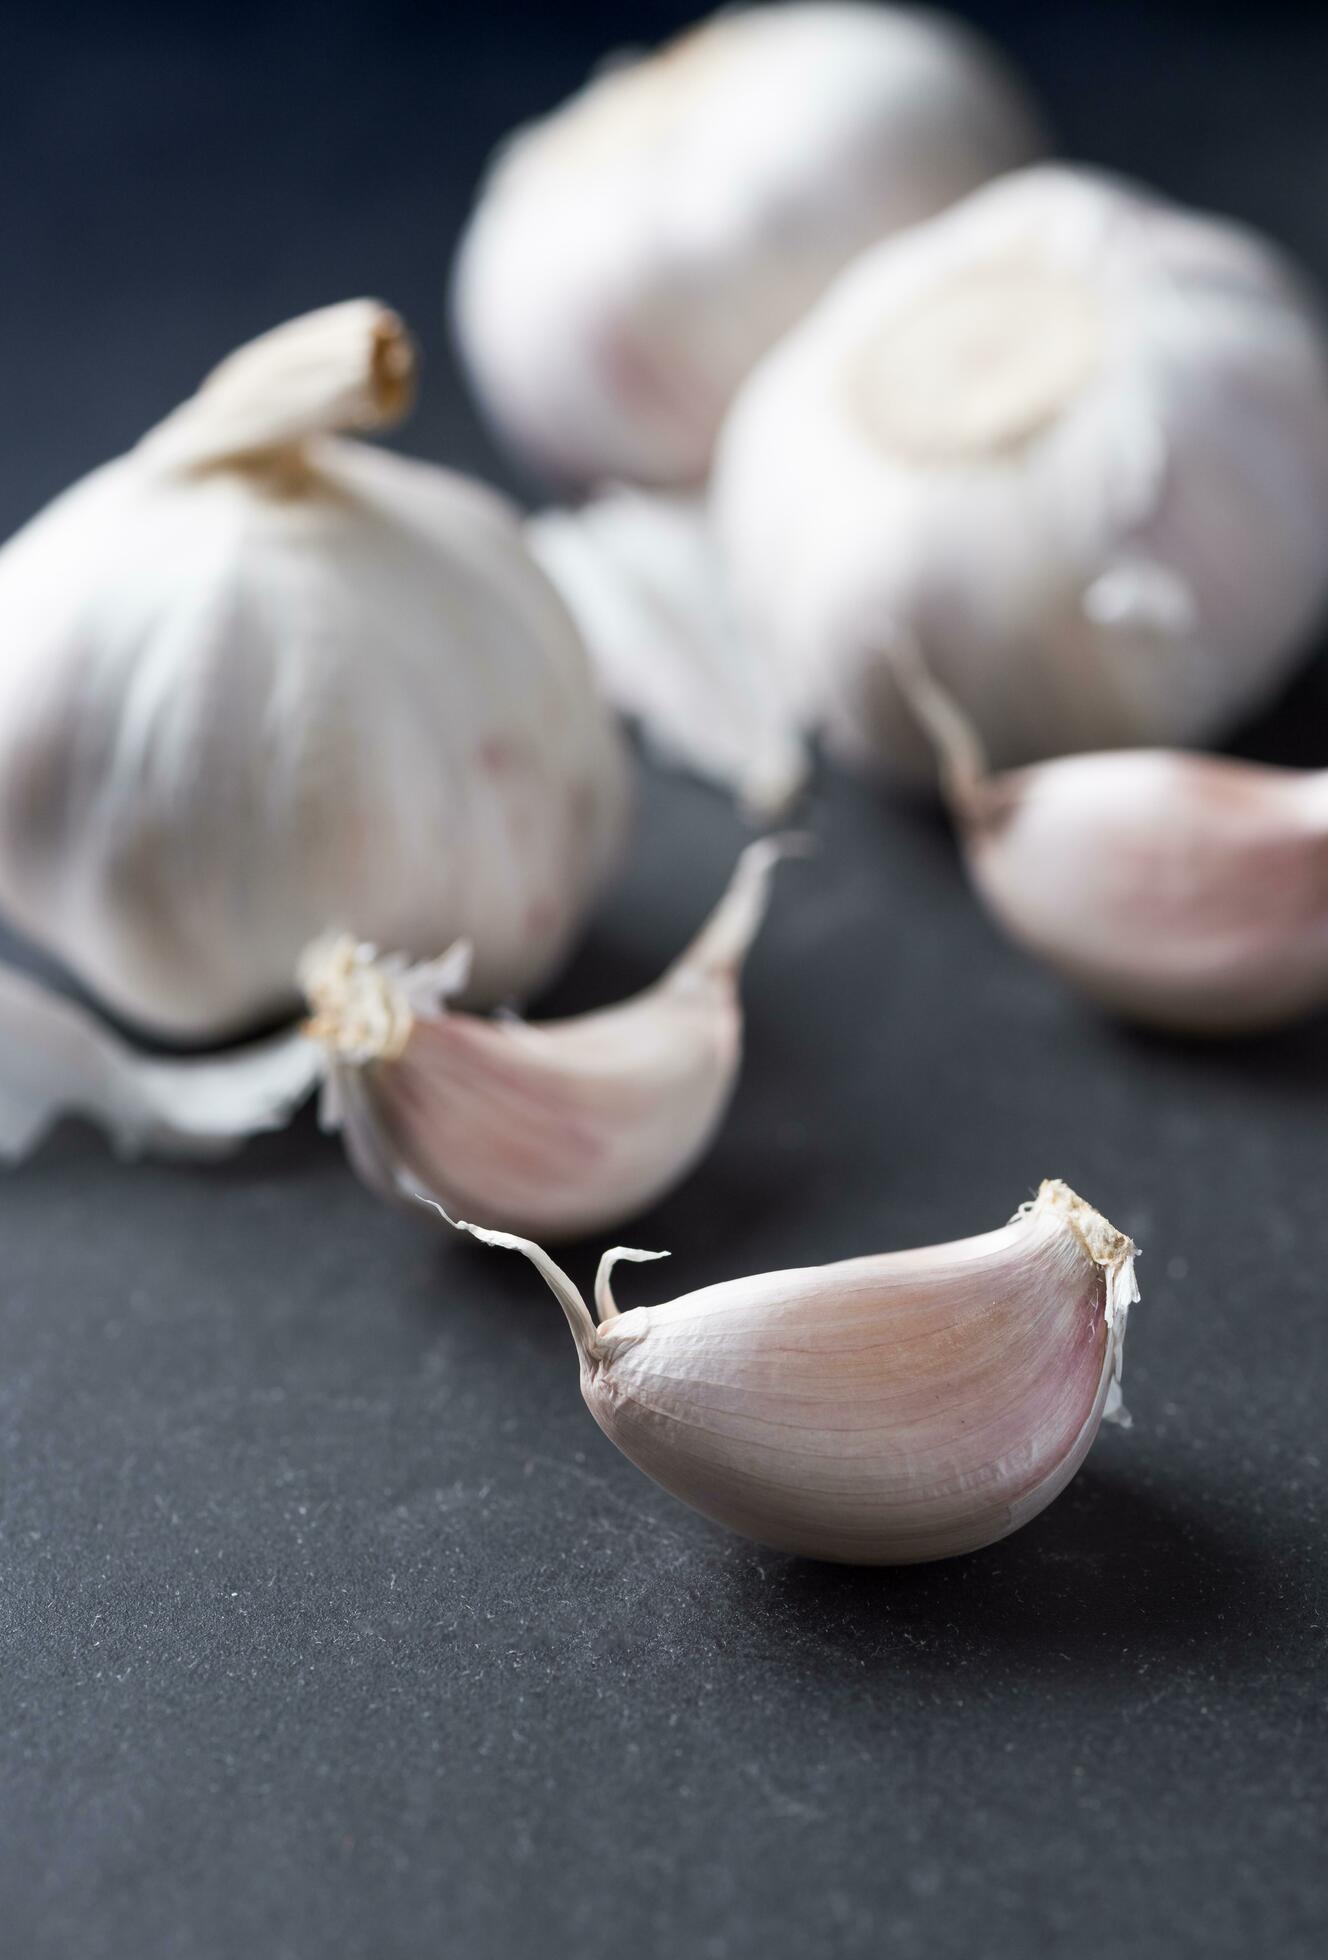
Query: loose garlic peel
pixel 634 254
pixel 1189 892
pixel 561 1127
pixel 256 678
pixel 882 1411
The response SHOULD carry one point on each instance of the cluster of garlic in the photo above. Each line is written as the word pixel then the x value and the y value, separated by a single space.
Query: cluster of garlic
pixel 271 699
pixel 634 255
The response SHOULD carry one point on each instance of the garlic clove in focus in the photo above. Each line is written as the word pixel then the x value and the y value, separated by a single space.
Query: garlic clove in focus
pixel 633 254
pixel 882 1411
pixel 1071 437
pixel 1186 891
pixel 257 677
pixel 57 1060
pixel 559 1127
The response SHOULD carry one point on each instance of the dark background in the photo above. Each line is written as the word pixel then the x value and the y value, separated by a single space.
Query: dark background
pixel 329 1624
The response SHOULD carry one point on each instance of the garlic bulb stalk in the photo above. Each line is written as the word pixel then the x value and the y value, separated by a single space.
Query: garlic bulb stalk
pixel 256 679
pixel 633 255
pixel 1073 439
pixel 562 1127
pixel 57 1060
pixel 881 1411
pixel 1186 891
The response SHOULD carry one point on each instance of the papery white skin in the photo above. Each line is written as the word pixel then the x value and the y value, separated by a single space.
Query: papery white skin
pixel 642 578
pixel 1071 438
pixel 255 679
pixel 882 1411
pixel 636 252
pixel 560 1127
pixel 59 1060
pixel 1186 891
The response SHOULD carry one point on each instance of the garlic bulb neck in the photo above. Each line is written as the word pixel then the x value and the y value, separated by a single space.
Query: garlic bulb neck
pixel 346 368
pixel 358 1008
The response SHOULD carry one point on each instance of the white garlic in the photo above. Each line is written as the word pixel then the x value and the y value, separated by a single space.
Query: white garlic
pixel 635 253
pixel 1073 439
pixel 882 1411
pixel 561 1127
pixel 1187 891
pixel 256 680
pixel 58 1060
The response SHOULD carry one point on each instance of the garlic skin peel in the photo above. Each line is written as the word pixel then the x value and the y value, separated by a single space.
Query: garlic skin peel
pixel 635 253
pixel 882 1411
pixel 256 679
pixel 1188 892
pixel 561 1127
pixel 1072 439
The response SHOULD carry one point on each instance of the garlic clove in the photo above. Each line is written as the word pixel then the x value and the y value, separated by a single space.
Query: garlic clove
pixel 882 1411
pixel 562 1127
pixel 640 574
pixel 58 1060
pixel 1186 891
pixel 633 254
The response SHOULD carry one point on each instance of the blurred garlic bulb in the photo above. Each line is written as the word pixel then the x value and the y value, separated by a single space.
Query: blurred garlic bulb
pixel 636 252
pixel 255 680
pixel 563 1127
pixel 1183 890
pixel 882 1411
pixel 1071 438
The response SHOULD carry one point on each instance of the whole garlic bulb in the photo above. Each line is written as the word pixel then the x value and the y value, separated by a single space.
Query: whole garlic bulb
pixel 635 253
pixel 257 681
pixel 1070 438
pixel 880 1411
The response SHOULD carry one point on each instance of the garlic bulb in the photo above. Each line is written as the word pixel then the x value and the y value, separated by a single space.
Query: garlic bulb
pixel 1071 438
pixel 882 1411
pixel 58 1060
pixel 1186 891
pixel 256 680
pixel 634 254
pixel 563 1127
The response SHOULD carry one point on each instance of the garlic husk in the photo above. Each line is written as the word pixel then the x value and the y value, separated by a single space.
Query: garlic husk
pixel 560 1127
pixel 1073 439
pixel 1189 892
pixel 635 253
pixel 256 679
pixel 58 1060
pixel 882 1411
pixel 641 576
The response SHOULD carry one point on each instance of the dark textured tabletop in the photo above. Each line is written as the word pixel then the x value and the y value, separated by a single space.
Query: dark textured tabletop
pixel 329 1623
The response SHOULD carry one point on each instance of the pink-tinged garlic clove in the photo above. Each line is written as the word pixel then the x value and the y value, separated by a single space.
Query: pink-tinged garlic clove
pixel 1186 891
pixel 561 1127
pixel 882 1411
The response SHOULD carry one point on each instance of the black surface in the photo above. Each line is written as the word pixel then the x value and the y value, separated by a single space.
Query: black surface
pixel 331 1625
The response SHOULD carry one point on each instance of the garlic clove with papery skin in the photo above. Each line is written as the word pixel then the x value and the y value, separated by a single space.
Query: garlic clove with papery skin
pixel 559 1127
pixel 1071 437
pixel 1189 892
pixel 257 678
pixel 633 254
pixel 882 1411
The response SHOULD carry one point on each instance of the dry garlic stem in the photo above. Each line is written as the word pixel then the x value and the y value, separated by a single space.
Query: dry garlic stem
pixel 1183 890
pixel 561 1128
pixel 882 1411
pixel 256 678
pixel 636 252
